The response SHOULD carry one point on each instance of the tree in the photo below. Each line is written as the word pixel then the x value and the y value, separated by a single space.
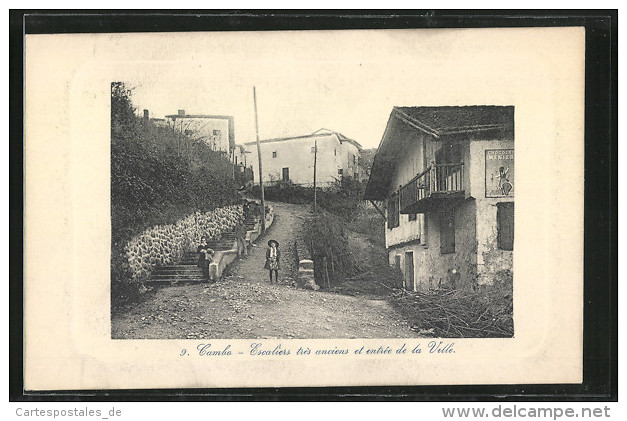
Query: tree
pixel 123 121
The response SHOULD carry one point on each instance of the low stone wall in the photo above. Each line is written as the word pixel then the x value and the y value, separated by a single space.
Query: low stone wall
pixel 223 258
pixel 306 275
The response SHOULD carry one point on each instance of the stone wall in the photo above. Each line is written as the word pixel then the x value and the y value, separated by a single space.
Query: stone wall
pixel 492 262
pixel 432 269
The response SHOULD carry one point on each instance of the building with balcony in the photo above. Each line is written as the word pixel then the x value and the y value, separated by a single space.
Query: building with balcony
pixel 291 159
pixel 446 176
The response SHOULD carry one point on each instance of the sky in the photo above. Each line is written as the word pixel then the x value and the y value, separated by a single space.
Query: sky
pixel 346 81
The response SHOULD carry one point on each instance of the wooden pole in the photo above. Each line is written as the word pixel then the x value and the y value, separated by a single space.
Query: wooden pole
pixel 263 201
pixel 314 178
pixel 378 209
pixel 233 162
pixel 326 268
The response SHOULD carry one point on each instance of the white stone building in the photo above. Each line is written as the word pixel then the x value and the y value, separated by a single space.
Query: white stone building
pixel 217 131
pixel 292 158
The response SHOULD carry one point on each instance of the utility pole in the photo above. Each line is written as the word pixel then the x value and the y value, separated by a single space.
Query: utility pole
pixel 263 201
pixel 315 162
pixel 233 162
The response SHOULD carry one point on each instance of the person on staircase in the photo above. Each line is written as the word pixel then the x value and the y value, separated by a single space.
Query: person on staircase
pixel 240 236
pixel 273 256
pixel 205 256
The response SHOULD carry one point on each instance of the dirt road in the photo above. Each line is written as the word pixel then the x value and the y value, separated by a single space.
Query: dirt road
pixel 245 305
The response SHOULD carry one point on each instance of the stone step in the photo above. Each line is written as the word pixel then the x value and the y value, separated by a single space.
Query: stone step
pixel 190 272
pixel 179 267
pixel 175 280
pixel 222 246
pixel 191 276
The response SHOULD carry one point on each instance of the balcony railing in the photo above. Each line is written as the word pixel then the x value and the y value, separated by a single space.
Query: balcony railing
pixel 439 180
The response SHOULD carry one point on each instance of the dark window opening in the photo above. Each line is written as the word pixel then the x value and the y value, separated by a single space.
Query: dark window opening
pixel 505 225
pixel 447 232
pixel 274 154
pixel 412 216
pixel 393 215
pixel 450 153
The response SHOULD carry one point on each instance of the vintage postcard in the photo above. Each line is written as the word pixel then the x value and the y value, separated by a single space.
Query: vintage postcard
pixel 304 208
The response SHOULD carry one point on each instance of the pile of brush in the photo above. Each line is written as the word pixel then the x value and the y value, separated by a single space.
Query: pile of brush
pixel 460 314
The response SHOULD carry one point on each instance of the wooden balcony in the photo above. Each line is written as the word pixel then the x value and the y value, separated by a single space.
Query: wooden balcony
pixel 437 184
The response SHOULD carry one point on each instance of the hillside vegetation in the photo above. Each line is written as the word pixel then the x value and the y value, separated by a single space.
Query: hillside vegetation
pixel 158 176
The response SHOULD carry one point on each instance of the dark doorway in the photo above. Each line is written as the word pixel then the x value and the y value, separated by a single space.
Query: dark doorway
pixel 286 174
pixel 409 270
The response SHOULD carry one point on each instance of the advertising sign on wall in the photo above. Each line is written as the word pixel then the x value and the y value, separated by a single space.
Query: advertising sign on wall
pixel 499 173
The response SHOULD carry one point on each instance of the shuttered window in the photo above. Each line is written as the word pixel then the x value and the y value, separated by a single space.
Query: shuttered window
pixel 505 224
pixel 397 262
pixel 447 232
pixel 393 216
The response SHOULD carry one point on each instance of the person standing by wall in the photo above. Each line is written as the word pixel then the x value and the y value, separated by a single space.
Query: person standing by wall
pixel 240 236
pixel 205 256
pixel 201 251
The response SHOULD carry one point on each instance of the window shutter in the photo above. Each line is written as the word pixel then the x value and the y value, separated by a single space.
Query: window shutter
pixel 505 224
pixel 393 216
pixel 447 232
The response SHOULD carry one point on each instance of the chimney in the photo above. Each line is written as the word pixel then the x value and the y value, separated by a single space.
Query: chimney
pixel 181 113
pixel 146 115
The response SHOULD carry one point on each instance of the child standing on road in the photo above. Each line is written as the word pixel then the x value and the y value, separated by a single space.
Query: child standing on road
pixel 273 255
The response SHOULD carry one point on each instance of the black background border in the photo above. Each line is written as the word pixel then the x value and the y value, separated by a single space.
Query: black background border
pixel 601 192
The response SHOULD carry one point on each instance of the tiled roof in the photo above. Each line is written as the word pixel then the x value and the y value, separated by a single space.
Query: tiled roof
pixel 318 133
pixel 480 121
pixel 217 117
pixel 440 121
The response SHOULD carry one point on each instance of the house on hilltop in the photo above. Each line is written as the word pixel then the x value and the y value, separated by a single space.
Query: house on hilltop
pixel 292 158
pixel 447 177
pixel 217 131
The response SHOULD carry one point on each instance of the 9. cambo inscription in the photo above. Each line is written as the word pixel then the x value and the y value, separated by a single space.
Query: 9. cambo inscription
pixel 258 349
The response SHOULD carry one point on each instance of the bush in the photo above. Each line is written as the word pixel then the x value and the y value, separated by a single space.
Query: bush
pixel 343 200
pixel 368 221
pixel 327 242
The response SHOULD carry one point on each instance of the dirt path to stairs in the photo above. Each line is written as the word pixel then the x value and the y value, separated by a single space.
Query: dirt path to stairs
pixel 244 305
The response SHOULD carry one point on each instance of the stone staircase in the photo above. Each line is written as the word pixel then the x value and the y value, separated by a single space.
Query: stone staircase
pixel 187 269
